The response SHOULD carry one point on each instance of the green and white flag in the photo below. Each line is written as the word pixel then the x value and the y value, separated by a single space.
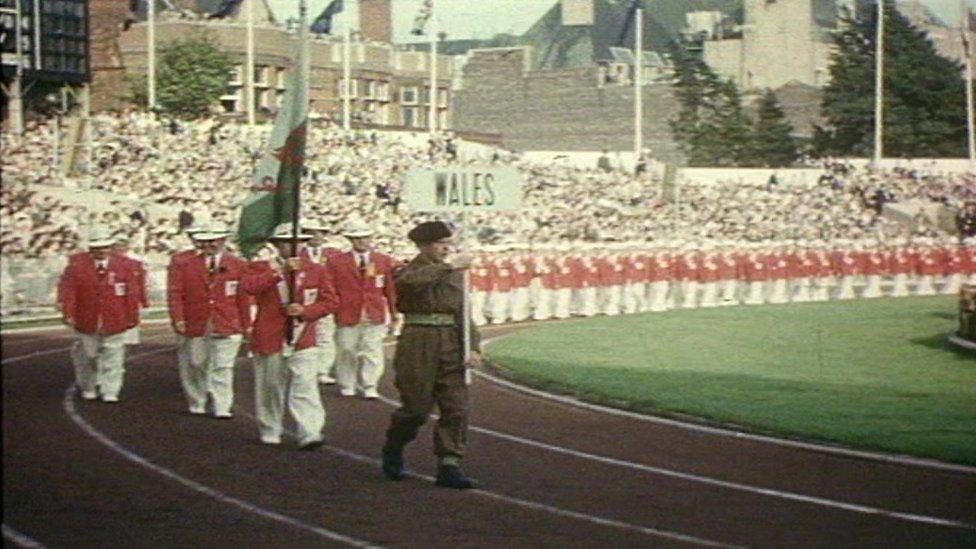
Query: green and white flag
pixel 276 181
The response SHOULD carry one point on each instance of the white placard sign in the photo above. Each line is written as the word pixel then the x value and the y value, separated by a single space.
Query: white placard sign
pixel 468 188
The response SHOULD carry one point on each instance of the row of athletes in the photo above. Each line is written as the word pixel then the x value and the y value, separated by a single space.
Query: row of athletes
pixel 277 303
pixel 517 286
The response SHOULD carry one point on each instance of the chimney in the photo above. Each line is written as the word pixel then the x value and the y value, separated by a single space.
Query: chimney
pixel 376 20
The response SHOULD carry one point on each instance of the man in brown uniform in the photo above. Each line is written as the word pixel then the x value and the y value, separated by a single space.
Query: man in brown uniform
pixel 429 356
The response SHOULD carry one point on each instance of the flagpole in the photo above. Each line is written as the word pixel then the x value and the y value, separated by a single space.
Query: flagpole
pixel 347 76
pixel 638 77
pixel 249 73
pixel 151 47
pixel 432 112
pixel 302 80
pixel 967 53
pixel 878 87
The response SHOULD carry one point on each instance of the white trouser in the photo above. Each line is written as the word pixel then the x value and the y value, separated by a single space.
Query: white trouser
pixel 845 289
pixel 498 307
pixel 478 300
pixel 689 294
pixel 729 288
pixel 520 304
pixel 325 341
pixel 359 360
pixel 99 362
pixel 543 304
pixel 757 294
pixel 821 291
pixel 925 286
pixel 709 297
pixel 872 287
pixel 952 284
pixel 899 285
pixel 634 297
pixel 659 295
pixel 801 290
pixel 778 293
pixel 610 299
pixel 276 377
pixel 132 336
pixel 586 301
pixel 210 368
pixel 563 298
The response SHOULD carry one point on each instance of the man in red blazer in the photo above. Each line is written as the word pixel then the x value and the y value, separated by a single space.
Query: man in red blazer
pixel 318 251
pixel 97 292
pixel 183 343
pixel 288 290
pixel 367 305
pixel 208 307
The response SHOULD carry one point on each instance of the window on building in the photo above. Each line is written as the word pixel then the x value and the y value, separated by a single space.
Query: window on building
pixel 383 91
pixel 261 74
pixel 353 88
pixel 237 75
pixel 411 118
pixel 282 78
pixel 442 97
pixel 408 95
pixel 369 89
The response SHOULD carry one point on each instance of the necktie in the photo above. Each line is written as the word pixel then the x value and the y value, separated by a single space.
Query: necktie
pixel 362 265
pixel 101 268
pixel 212 264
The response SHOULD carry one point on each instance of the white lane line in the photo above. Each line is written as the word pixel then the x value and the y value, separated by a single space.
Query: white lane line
pixel 36 354
pixel 720 431
pixel 791 496
pixel 20 540
pixel 534 505
pixel 71 410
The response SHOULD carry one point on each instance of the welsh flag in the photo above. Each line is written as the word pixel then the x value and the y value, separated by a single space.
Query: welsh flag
pixel 276 182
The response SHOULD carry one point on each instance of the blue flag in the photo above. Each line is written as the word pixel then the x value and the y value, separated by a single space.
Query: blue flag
pixel 323 23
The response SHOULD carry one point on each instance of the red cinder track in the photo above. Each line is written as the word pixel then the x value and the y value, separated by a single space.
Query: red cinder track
pixel 143 473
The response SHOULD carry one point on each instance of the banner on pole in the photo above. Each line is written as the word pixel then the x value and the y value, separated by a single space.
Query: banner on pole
pixel 463 189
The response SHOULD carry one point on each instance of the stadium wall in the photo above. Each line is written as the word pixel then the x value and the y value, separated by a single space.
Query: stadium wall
pixel 558 110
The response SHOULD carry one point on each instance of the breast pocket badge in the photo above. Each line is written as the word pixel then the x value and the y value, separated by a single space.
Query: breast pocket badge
pixel 120 289
pixel 310 295
pixel 230 288
pixel 379 281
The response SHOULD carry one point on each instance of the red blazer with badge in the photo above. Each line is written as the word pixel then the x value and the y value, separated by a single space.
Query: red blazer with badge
pixel 141 291
pixel 371 294
pixel 99 303
pixel 198 298
pixel 313 289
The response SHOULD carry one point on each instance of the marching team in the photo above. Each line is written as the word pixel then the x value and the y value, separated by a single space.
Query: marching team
pixel 318 315
pixel 514 284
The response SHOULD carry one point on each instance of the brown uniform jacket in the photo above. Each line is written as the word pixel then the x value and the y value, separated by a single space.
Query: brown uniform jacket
pixel 424 287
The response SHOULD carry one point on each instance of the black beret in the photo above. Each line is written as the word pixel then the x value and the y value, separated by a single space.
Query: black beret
pixel 430 231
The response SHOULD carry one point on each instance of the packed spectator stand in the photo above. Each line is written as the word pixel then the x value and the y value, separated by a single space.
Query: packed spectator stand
pixel 592 231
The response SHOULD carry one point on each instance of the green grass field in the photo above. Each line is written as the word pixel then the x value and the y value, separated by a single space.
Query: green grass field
pixel 875 375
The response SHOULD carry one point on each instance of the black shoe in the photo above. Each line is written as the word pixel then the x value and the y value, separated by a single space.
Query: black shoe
pixel 393 464
pixel 450 476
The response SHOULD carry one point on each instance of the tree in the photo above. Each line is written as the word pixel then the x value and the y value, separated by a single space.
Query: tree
pixel 773 145
pixel 711 127
pixel 924 112
pixel 192 75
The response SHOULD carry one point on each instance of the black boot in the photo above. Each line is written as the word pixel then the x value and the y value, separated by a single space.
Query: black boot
pixel 450 476
pixel 393 463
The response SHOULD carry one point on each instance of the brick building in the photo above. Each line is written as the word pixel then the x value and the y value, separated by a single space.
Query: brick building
pixel 390 86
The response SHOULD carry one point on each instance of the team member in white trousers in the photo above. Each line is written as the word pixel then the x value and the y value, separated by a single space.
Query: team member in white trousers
pixel 291 295
pixel 210 310
pixel 363 280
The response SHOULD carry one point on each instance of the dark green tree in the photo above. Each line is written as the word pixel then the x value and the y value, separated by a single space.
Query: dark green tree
pixel 191 76
pixel 924 107
pixel 773 144
pixel 711 128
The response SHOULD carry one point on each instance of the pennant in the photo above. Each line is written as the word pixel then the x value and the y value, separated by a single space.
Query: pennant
pixel 423 16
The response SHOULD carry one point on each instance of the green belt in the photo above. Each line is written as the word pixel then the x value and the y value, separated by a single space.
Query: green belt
pixel 428 319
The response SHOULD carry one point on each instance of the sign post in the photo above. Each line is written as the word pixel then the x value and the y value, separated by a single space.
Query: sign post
pixel 462 190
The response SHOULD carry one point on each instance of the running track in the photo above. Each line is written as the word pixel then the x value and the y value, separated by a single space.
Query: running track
pixel 144 473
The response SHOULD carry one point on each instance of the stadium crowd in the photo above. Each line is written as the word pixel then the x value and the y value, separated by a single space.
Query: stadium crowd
pixel 203 170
